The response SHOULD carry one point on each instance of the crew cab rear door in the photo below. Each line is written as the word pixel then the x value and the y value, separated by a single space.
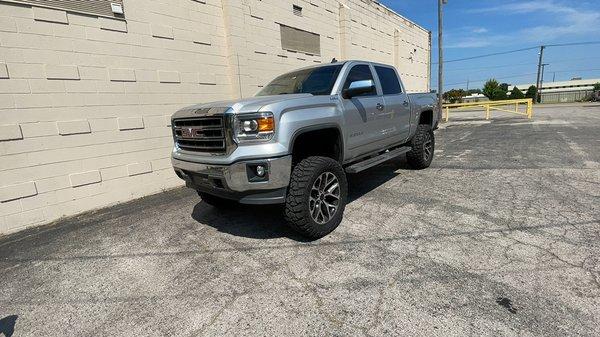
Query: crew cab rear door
pixel 395 116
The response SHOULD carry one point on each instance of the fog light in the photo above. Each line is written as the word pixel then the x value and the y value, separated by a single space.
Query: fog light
pixel 260 171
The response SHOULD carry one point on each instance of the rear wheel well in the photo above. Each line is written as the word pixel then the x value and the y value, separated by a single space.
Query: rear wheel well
pixel 322 142
pixel 426 117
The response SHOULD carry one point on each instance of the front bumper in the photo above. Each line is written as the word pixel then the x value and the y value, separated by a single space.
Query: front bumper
pixel 234 181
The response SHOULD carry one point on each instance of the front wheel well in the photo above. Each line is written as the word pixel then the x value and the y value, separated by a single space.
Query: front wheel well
pixel 326 142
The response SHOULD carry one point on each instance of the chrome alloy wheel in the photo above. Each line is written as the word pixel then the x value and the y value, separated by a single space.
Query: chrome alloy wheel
pixel 324 198
pixel 427 147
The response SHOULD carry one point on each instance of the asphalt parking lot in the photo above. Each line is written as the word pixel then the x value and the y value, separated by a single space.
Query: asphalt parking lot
pixel 500 236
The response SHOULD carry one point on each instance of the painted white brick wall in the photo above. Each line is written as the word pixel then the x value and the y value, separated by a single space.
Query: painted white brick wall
pixel 85 101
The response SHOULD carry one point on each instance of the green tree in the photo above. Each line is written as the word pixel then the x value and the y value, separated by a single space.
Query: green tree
pixel 531 92
pixel 489 88
pixel 454 95
pixel 516 93
pixel 501 95
pixel 493 91
pixel 597 86
pixel 504 86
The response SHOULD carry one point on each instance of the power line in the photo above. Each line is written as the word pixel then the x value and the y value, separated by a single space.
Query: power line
pixel 568 71
pixel 521 75
pixel 492 54
pixel 577 59
pixel 513 65
pixel 498 78
pixel 573 44
pixel 524 64
pixel 523 49
pixel 494 67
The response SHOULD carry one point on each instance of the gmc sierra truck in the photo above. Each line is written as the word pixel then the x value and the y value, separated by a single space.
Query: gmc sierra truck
pixel 294 142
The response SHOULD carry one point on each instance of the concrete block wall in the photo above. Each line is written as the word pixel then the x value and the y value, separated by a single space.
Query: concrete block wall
pixel 85 100
pixel 348 29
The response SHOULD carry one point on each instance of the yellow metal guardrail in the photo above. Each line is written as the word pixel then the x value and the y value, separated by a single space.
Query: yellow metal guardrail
pixel 493 105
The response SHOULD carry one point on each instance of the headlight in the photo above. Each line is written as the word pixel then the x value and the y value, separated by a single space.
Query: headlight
pixel 253 127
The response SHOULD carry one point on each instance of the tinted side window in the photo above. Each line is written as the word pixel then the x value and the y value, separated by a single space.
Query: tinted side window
pixel 389 80
pixel 360 73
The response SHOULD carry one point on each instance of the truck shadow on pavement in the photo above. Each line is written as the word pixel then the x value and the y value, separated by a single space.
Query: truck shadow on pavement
pixel 7 325
pixel 267 221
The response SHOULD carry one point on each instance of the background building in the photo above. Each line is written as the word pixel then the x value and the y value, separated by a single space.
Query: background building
pixel 563 91
pixel 475 97
pixel 86 92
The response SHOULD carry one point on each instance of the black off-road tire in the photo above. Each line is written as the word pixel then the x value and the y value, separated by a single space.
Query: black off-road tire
pixel 297 209
pixel 215 201
pixel 420 157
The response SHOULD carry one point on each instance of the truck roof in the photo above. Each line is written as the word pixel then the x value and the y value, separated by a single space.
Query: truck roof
pixel 341 63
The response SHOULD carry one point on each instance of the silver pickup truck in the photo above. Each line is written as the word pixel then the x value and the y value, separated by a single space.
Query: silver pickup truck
pixel 294 142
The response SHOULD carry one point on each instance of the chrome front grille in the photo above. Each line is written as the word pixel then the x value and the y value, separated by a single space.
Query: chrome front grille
pixel 205 134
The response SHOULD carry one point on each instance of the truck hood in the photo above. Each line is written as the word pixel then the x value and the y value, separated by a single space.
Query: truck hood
pixel 244 105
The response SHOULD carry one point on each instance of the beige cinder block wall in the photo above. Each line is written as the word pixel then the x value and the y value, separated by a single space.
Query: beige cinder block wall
pixel 85 100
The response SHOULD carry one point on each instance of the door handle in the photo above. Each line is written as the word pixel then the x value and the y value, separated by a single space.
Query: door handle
pixel 379 106
pixel 405 103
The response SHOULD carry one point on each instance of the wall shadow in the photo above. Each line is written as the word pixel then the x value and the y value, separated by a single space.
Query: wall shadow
pixel 267 222
pixel 7 325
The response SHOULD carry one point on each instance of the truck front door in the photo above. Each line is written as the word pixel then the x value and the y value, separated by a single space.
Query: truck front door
pixel 361 113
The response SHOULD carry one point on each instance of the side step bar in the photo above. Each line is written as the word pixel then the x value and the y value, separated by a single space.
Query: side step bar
pixel 368 163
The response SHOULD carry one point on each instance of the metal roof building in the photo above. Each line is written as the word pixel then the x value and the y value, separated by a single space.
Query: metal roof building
pixel 563 91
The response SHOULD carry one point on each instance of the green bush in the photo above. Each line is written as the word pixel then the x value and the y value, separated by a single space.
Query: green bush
pixel 454 95
pixel 531 92
pixel 516 93
pixel 494 91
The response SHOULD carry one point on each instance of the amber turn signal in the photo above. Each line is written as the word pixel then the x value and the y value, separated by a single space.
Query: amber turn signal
pixel 266 124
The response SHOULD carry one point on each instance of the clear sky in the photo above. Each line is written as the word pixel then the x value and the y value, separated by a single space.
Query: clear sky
pixel 474 28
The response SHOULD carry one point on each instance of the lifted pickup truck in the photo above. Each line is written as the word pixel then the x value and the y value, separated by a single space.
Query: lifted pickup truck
pixel 294 142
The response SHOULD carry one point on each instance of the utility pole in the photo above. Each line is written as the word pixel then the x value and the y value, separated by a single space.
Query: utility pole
pixel 441 4
pixel 539 73
pixel 539 91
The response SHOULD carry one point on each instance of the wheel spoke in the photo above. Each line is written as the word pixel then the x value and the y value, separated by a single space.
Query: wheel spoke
pixel 330 205
pixel 330 179
pixel 315 211
pixel 323 183
pixel 322 216
pixel 332 196
pixel 326 214
pixel 332 188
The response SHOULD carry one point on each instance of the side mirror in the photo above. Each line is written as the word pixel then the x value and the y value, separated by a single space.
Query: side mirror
pixel 357 88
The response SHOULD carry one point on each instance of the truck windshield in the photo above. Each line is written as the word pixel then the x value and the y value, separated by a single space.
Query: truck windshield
pixel 316 81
